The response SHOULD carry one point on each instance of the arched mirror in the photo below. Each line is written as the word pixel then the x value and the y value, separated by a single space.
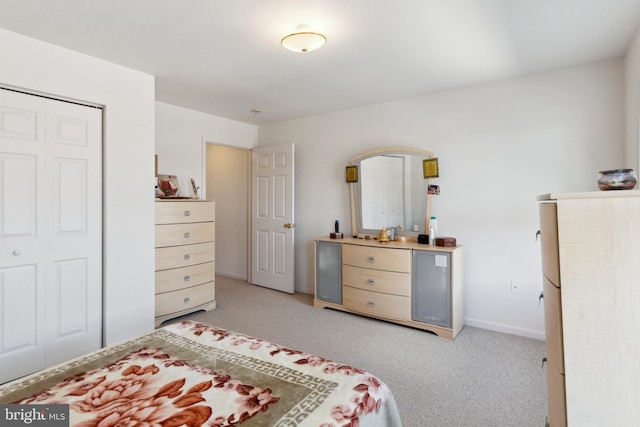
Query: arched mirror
pixel 390 191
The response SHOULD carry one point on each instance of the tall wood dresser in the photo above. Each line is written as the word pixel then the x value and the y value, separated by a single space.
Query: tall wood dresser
pixel 591 272
pixel 185 257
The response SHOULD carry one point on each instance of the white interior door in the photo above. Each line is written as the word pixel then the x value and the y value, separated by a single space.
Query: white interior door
pixel 50 232
pixel 272 225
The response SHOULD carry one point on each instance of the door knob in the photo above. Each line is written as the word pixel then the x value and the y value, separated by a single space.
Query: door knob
pixel 289 225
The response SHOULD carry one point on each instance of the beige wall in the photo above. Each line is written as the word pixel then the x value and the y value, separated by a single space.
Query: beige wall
pixel 227 172
pixel 499 146
pixel 181 138
pixel 128 98
pixel 632 152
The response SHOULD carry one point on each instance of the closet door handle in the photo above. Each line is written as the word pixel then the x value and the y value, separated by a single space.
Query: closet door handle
pixel 187 213
pixel 187 257
pixel 371 259
pixel 187 235
pixel 187 278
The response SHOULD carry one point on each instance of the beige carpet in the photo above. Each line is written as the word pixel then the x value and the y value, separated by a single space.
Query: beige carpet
pixel 482 378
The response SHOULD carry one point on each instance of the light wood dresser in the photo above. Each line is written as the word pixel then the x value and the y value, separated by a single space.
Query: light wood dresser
pixel 591 271
pixel 185 257
pixel 406 283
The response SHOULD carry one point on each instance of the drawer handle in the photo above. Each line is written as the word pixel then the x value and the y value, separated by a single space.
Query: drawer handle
pixel 371 304
pixel 187 213
pixel 186 300
pixel 371 282
pixel 186 278
pixel 371 259
pixel 187 235
pixel 187 257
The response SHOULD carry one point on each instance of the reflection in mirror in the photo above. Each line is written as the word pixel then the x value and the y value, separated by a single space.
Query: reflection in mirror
pixel 391 191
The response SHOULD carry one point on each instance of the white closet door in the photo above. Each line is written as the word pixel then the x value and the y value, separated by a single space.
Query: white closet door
pixel 50 232
pixel 22 244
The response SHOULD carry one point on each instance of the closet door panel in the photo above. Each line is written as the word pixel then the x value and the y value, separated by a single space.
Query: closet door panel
pixel 74 256
pixel 50 232
pixel 22 234
pixel 21 343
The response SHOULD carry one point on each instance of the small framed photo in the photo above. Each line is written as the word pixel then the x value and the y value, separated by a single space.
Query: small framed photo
pixel 433 189
pixel 168 184
pixel 430 168
pixel 352 173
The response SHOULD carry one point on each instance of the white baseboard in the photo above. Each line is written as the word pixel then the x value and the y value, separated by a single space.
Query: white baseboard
pixel 498 327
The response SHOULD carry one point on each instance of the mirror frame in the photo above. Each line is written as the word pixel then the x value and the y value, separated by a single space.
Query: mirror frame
pixel 388 150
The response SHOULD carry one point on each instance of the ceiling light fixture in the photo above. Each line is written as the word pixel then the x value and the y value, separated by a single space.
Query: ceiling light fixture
pixel 303 40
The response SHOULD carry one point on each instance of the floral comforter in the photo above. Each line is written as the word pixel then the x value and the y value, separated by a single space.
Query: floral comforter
pixel 194 374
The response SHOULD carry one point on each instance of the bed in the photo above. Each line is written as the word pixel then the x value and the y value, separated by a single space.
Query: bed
pixel 194 374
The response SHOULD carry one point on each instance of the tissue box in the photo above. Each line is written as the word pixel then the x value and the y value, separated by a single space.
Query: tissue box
pixel 445 241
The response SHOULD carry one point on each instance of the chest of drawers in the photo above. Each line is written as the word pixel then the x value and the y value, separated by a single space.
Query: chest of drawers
pixel 406 283
pixel 377 281
pixel 591 273
pixel 185 257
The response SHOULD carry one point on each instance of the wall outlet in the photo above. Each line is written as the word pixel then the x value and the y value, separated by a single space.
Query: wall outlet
pixel 416 227
pixel 515 287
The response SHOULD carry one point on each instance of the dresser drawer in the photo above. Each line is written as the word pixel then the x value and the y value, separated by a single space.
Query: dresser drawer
pixel 549 242
pixel 184 277
pixel 377 258
pixel 388 282
pixel 182 256
pixel 377 304
pixel 184 234
pixel 184 299
pixel 179 212
pixel 556 391
pixel 553 324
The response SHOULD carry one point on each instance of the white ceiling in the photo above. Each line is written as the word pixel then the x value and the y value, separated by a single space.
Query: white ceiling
pixel 224 56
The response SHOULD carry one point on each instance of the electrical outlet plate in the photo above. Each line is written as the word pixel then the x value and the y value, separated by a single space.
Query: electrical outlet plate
pixel 515 287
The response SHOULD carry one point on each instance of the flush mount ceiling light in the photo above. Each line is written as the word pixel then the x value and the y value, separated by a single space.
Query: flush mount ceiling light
pixel 303 40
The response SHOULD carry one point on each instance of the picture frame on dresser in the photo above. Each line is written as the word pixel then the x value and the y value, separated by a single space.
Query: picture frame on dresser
pixel 169 185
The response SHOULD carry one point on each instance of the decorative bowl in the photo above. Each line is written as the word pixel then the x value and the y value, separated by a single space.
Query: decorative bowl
pixel 617 179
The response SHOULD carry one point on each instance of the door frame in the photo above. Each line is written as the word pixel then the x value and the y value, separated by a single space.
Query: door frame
pixel 203 190
pixel 99 334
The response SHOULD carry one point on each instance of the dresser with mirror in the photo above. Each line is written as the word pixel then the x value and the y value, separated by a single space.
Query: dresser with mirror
pixel 400 281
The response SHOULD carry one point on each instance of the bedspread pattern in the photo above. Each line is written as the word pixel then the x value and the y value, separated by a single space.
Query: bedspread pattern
pixel 195 374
